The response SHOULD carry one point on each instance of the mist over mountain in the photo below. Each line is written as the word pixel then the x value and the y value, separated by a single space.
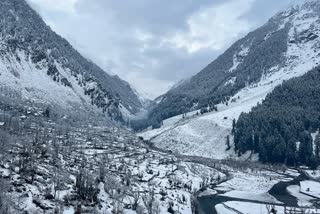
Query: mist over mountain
pixel 261 53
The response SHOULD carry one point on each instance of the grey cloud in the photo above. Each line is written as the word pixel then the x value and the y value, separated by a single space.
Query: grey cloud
pixel 129 38
pixel 157 16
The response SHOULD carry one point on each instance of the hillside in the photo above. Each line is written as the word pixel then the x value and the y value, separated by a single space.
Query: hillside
pixel 288 39
pixel 41 66
pixel 206 134
pixel 284 127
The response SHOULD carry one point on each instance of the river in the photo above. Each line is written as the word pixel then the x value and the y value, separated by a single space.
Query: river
pixel 279 191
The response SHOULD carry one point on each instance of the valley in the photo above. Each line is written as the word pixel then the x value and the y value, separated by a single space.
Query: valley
pixel 239 137
pixel 113 171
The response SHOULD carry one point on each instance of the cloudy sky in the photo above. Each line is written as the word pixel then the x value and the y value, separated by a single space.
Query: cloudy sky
pixel 154 43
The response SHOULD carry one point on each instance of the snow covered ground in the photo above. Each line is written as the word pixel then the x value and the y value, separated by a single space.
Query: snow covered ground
pixel 234 207
pixel 132 172
pixel 248 191
pixel 303 200
pixel 311 188
pixel 34 84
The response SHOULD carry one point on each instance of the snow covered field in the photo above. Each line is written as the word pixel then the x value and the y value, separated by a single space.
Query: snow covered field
pixel 122 172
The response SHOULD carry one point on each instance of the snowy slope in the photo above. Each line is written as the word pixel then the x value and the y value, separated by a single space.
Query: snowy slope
pixel 205 135
pixel 42 67
pixel 22 76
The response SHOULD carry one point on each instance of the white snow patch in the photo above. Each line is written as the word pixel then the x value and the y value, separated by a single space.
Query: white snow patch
pixel 310 188
pixel 237 58
pixel 303 200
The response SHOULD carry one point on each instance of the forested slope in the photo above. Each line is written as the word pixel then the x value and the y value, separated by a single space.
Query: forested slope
pixel 287 40
pixel 42 66
pixel 282 128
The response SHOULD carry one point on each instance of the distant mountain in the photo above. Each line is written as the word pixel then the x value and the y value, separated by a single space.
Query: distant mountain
pixel 287 40
pixel 286 47
pixel 43 67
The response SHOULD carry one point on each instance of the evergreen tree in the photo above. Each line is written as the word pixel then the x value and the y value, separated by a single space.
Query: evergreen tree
pixel 287 116
pixel 233 126
pixel 228 143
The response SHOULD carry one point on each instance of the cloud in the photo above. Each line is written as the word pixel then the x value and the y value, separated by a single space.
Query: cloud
pixel 67 6
pixel 141 82
pixel 214 27
pixel 153 44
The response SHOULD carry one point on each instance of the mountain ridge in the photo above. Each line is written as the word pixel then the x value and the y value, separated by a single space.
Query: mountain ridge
pixel 296 32
pixel 26 40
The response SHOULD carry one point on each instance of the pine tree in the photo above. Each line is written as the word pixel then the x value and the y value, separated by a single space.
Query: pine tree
pixel 233 126
pixel 317 145
pixel 228 143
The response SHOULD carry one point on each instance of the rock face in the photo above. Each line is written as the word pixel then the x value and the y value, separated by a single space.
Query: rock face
pixel 38 64
pixel 287 46
pixel 288 39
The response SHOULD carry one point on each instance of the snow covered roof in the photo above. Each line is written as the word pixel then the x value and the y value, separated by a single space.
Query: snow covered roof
pixel 1 123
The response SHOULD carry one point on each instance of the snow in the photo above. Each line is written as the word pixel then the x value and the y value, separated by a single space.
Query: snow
pixel 310 188
pixel 231 81
pixel 303 200
pixel 299 3
pixel 257 183
pixel 237 58
pixel 234 207
pixel 314 135
pixel 4 172
pixel 222 209
pixel 292 172
pixel 34 83
pixel 315 174
pixel 208 192
pixel 242 207
pixel 69 210
pixel 168 173
pixel 263 197
pixel 205 135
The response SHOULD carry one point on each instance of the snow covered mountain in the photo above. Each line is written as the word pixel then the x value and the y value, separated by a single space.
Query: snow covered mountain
pixel 287 46
pixel 39 65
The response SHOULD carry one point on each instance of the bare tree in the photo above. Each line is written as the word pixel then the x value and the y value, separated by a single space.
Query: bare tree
pixel 136 198
pixel 150 202
pixel 117 207
pixel 5 202
pixel 4 145
pixel 194 204
pixel 271 209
